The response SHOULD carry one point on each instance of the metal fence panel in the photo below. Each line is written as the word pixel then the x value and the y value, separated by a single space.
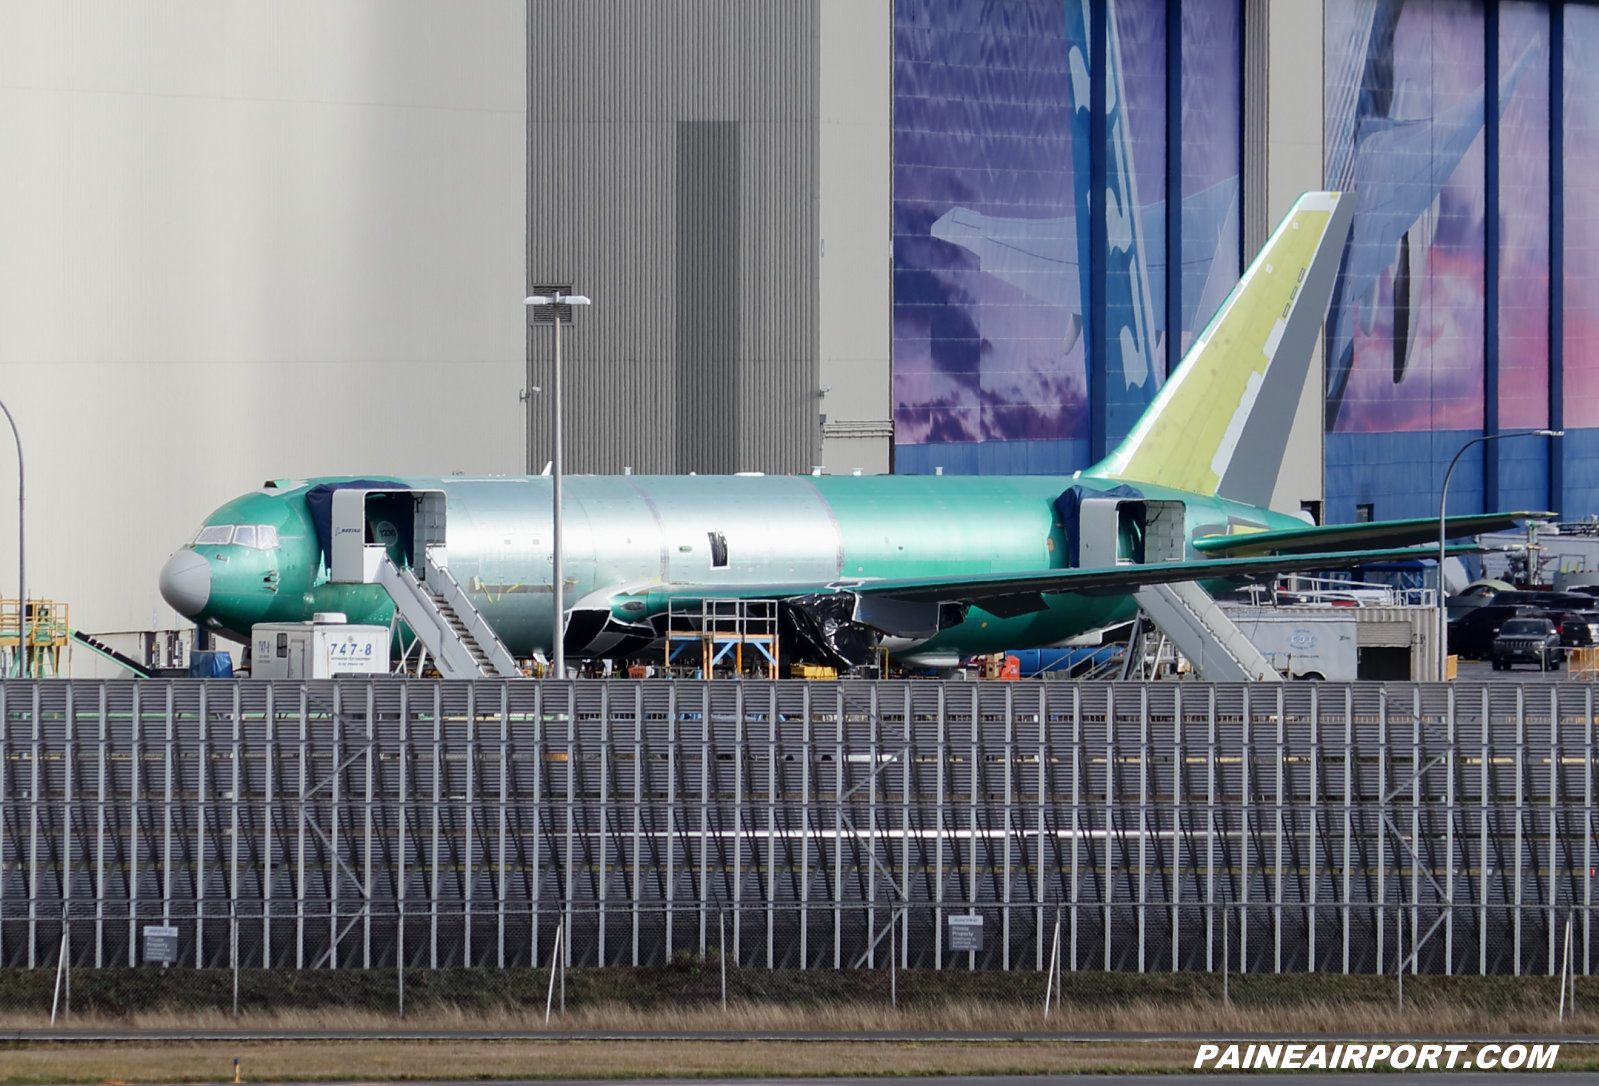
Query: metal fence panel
pixel 1175 826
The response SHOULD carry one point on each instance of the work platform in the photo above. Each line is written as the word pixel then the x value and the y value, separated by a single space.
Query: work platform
pixel 41 635
pixel 723 629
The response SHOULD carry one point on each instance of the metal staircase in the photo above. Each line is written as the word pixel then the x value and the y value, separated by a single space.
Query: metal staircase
pixel 462 643
pixel 89 641
pixel 1217 648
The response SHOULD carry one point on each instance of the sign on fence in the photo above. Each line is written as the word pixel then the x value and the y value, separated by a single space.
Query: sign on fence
pixel 965 933
pixel 160 944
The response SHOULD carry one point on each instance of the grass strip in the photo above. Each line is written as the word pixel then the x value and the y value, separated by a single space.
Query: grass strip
pixel 370 1061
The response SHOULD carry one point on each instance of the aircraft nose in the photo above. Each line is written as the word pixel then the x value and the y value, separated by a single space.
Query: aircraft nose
pixel 186 582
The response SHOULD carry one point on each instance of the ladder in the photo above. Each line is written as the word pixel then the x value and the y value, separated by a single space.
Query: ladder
pixel 1216 647
pixel 462 643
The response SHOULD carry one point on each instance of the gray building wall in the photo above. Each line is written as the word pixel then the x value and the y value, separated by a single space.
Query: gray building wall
pixel 857 260
pixel 266 239
pixel 672 177
pixel 1282 120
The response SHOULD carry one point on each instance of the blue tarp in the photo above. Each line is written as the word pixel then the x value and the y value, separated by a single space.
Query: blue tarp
pixel 210 665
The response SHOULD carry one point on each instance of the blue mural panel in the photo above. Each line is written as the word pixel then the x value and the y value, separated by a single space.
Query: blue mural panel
pixel 1405 106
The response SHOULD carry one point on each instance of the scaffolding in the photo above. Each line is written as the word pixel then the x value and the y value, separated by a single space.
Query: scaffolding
pixel 48 632
pixel 724 627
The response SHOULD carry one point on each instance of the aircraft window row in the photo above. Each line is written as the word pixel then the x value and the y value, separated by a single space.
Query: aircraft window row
pixel 263 537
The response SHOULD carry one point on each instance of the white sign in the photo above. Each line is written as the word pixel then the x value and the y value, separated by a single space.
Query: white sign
pixel 965 933
pixel 160 944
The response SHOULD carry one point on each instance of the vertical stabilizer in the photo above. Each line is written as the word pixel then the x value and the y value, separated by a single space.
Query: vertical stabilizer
pixel 1221 423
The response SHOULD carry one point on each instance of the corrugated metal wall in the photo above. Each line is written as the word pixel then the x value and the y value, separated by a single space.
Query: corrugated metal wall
pixel 672 177
pixel 1257 224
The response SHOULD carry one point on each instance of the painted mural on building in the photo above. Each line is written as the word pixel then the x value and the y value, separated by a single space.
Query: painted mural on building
pixel 990 178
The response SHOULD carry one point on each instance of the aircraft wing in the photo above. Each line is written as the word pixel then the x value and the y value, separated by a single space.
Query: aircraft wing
pixel 1338 537
pixel 982 589
pixel 1007 594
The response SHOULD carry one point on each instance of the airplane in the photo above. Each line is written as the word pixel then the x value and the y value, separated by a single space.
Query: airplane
pixel 929 568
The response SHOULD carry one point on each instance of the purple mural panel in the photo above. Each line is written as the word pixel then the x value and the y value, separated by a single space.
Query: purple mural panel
pixel 982 130
pixel 1524 217
pixel 1581 316
pixel 1212 149
pixel 1405 102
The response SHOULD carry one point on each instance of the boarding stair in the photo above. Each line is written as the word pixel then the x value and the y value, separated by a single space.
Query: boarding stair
pixel 1217 648
pixel 462 643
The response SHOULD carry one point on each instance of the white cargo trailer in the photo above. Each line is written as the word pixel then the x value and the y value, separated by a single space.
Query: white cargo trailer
pixel 1301 646
pixel 322 649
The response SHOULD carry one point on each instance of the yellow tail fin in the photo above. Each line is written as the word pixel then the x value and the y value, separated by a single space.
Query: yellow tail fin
pixel 1220 425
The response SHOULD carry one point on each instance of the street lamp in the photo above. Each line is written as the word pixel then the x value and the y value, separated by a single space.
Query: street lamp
pixel 555 300
pixel 22 558
pixel 1443 501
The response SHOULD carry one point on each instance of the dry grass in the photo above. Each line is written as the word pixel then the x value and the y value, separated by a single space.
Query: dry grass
pixel 394 1061
pixel 1137 1016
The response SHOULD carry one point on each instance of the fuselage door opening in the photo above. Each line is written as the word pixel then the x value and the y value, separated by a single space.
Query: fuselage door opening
pixel 369 525
pixel 1130 532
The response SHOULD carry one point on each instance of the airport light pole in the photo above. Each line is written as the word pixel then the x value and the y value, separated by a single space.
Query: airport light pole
pixel 1443 502
pixel 22 556
pixel 555 300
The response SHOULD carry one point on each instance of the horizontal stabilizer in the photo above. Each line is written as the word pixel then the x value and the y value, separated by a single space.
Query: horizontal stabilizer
pixel 1390 533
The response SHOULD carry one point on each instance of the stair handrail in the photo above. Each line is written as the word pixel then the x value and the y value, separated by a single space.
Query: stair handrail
pixel 477 627
pixel 451 657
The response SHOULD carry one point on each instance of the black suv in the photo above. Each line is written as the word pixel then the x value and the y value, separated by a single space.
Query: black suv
pixel 1528 641
pixel 1471 637
pixel 1579 628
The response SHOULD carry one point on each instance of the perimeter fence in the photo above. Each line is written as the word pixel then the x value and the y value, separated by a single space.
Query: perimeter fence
pixel 296 830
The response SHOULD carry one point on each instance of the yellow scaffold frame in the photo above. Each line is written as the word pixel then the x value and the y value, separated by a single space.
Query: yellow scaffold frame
pixel 48 633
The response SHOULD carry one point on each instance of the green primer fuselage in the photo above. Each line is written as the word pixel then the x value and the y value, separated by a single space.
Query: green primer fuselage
pixel 640 535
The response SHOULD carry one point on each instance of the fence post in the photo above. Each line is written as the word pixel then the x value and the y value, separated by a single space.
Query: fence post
pixel 893 976
pixel 1565 961
pixel 399 955
pixel 1399 951
pixel 721 950
pixel 1054 960
pixel 61 967
pixel 555 958
pixel 1226 955
pixel 233 951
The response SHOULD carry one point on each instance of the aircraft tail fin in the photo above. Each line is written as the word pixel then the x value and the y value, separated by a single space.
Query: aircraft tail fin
pixel 1220 424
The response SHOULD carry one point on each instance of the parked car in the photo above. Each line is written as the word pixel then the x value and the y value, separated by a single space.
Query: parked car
pixel 1579 628
pixel 1475 595
pixel 1545 600
pixel 1471 637
pixel 1528 641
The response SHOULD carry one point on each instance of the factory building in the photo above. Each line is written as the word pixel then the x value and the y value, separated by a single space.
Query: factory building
pixel 286 240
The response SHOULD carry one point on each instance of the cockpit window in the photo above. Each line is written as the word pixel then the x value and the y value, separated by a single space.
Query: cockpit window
pixel 262 537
